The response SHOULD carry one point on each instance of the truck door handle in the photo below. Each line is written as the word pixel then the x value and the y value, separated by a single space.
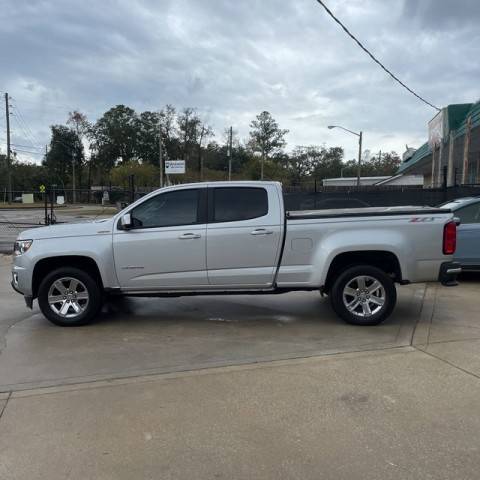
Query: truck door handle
pixel 261 231
pixel 189 236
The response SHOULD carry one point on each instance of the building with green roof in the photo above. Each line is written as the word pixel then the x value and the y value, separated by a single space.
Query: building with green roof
pixel 452 152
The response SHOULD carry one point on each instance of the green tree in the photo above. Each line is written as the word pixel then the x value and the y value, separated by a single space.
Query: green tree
pixel 188 122
pixel 330 163
pixel 308 162
pixel 272 170
pixel 27 176
pixel 146 175
pixel 65 149
pixel 193 134
pixel 170 140
pixel 115 137
pixel 381 165
pixel 80 125
pixel 216 156
pixel 385 163
pixel 205 132
pixel 266 137
pixel 148 137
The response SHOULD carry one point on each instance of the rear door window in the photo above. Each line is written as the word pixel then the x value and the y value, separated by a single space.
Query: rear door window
pixel 233 204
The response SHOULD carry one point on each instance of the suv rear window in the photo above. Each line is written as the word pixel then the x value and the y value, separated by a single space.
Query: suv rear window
pixel 233 204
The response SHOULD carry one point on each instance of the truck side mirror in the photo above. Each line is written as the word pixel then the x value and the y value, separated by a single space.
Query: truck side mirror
pixel 126 221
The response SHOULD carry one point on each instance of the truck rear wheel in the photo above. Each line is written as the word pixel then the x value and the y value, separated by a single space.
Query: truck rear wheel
pixel 69 297
pixel 363 295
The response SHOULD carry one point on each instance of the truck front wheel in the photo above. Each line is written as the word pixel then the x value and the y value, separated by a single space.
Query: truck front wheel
pixel 363 295
pixel 69 297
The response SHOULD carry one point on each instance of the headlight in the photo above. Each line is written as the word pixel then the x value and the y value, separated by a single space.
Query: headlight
pixel 22 246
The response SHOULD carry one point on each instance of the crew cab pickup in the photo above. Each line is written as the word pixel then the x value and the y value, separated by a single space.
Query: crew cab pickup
pixel 234 238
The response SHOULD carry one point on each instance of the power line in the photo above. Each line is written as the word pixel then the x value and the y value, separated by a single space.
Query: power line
pixel 20 116
pixel 43 102
pixel 21 125
pixel 374 58
pixel 25 146
pixel 26 151
pixel 24 133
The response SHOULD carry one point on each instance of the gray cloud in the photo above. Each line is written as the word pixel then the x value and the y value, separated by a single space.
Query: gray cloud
pixel 443 14
pixel 233 59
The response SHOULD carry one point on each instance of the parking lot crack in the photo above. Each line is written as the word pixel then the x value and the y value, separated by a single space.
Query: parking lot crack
pixel 432 315
pixel 4 335
pixel 419 315
pixel 5 405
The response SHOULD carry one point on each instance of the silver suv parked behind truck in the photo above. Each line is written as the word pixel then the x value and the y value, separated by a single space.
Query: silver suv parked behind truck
pixel 234 238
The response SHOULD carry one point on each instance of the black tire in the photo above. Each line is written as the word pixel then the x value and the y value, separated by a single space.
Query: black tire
pixel 387 293
pixel 91 307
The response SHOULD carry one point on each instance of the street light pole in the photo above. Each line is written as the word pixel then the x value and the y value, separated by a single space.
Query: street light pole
pixel 229 151
pixel 360 139
pixel 160 154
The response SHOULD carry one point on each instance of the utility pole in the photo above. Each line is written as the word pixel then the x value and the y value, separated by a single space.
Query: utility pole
pixel 202 133
pixel 229 152
pixel 74 182
pixel 9 160
pixel 261 165
pixel 360 138
pixel 74 198
pixel 160 154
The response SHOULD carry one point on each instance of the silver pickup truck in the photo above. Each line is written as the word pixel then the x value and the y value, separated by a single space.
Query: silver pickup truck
pixel 234 238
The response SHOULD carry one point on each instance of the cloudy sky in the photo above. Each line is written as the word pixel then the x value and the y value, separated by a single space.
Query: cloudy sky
pixel 232 59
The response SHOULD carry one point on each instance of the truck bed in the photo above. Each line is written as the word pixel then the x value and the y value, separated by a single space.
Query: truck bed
pixel 364 212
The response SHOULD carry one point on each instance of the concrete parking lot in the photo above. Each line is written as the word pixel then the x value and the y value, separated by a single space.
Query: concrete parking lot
pixel 242 387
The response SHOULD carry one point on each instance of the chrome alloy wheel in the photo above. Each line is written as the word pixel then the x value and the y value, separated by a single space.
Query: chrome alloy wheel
pixel 364 296
pixel 68 297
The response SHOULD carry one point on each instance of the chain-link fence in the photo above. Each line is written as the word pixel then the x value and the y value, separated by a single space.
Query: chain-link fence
pixel 9 231
pixel 56 202
pixel 97 196
pixel 368 196
pixel 310 193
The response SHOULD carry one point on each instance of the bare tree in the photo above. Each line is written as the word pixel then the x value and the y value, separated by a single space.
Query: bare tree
pixel 79 123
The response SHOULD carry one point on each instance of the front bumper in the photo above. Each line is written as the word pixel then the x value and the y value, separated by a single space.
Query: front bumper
pixel 28 298
pixel 448 273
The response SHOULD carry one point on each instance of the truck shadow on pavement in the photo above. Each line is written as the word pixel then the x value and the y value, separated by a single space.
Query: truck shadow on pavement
pixel 138 336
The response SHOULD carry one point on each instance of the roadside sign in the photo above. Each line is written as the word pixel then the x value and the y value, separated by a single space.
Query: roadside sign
pixel 42 188
pixel 27 197
pixel 175 166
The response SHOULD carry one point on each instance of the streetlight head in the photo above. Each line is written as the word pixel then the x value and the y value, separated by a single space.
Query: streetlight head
pixel 331 126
